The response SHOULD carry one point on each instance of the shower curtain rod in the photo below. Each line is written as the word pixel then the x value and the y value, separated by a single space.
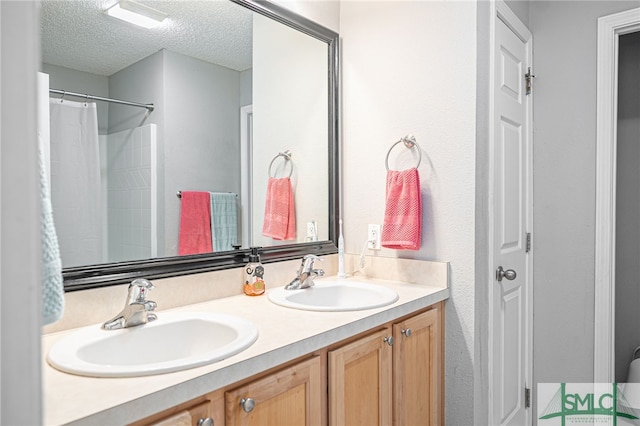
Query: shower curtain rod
pixel 99 98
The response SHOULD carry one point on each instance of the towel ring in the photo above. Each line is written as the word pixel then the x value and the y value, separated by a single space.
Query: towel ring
pixel 410 142
pixel 287 157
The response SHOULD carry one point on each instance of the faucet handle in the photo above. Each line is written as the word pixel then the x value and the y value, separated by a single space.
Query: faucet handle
pixel 142 283
pixel 138 290
pixel 310 258
pixel 307 263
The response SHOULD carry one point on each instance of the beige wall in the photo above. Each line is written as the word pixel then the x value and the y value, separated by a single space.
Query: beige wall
pixel 410 67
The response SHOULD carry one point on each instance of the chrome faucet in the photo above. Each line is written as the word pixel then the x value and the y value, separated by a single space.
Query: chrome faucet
pixel 306 274
pixel 137 309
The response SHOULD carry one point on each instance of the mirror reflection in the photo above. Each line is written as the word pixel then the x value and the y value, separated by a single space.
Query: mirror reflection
pixel 234 152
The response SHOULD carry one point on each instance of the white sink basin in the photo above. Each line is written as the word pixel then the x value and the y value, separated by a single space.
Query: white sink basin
pixel 335 295
pixel 175 341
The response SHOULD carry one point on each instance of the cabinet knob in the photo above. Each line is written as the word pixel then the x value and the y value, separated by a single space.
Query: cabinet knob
pixel 247 404
pixel 406 331
pixel 388 340
pixel 205 422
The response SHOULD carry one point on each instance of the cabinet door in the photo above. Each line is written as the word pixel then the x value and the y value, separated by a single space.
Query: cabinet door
pixel 417 382
pixel 195 415
pixel 289 397
pixel 360 382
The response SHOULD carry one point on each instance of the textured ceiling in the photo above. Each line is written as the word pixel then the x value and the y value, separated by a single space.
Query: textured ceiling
pixel 77 34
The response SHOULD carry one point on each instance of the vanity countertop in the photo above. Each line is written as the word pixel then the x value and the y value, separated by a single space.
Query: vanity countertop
pixel 285 334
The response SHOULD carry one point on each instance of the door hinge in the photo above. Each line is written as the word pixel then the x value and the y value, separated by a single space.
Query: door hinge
pixel 528 77
pixel 528 245
pixel 527 397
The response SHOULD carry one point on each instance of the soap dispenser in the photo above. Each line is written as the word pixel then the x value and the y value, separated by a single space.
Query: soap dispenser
pixel 254 274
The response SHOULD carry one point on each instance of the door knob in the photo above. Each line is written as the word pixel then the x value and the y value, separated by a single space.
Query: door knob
pixel 509 274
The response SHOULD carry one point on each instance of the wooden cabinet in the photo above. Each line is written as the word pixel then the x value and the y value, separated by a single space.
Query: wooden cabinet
pixel 360 381
pixel 289 396
pixel 199 412
pixel 292 396
pixel 418 381
pixel 392 376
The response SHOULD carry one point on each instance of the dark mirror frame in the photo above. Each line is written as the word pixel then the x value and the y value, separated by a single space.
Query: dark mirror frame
pixel 106 274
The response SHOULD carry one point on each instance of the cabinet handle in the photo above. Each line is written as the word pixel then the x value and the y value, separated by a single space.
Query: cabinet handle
pixel 406 331
pixel 205 422
pixel 247 404
pixel 388 340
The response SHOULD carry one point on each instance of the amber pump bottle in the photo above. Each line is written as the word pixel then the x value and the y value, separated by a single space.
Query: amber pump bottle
pixel 254 274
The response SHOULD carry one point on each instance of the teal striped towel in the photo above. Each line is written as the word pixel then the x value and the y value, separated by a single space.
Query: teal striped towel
pixel 52 285
pixel 224 220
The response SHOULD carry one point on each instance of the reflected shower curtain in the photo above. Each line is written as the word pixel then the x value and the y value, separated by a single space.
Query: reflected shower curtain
pixel 75 181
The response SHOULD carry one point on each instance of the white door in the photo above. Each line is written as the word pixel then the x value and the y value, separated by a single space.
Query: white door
pixel 511 293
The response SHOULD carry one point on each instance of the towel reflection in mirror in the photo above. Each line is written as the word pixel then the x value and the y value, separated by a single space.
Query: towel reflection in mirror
pixel 208 222
pixel 279 211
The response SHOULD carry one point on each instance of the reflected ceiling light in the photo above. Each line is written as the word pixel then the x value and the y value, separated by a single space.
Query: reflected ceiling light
pixel 136 13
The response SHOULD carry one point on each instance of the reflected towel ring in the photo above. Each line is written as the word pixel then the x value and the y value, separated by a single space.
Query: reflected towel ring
pixel 179 194
pixel 287 157
pixel 410 142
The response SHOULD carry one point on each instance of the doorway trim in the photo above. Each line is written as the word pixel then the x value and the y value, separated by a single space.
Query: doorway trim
pixel 246 174
pixel 610 28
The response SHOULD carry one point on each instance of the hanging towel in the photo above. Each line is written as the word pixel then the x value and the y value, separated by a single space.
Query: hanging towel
pixel 279 210
pixel 51 274
pixel 402 227
pixel 195 223
pixel 224 220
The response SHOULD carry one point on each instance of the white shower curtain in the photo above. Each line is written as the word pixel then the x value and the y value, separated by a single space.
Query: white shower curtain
pixel 75 181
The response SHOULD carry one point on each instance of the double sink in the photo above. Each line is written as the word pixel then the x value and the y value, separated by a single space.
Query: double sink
pixel 181 340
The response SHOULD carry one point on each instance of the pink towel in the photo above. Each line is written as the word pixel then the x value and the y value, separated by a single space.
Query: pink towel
pixel 279 210
pixel 402 228
pixel 195 223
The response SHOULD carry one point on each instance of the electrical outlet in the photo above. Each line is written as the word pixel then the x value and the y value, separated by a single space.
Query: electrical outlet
pixel 373 237
pixel 312 231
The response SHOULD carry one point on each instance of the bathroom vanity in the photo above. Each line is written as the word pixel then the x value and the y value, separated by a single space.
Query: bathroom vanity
pixel 388 375
pixel 374 366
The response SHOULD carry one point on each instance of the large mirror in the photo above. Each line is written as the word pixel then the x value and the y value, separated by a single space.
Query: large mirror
pixel 244 98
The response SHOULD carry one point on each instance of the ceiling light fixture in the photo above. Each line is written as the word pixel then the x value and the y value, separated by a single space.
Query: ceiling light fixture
pixel 136 13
